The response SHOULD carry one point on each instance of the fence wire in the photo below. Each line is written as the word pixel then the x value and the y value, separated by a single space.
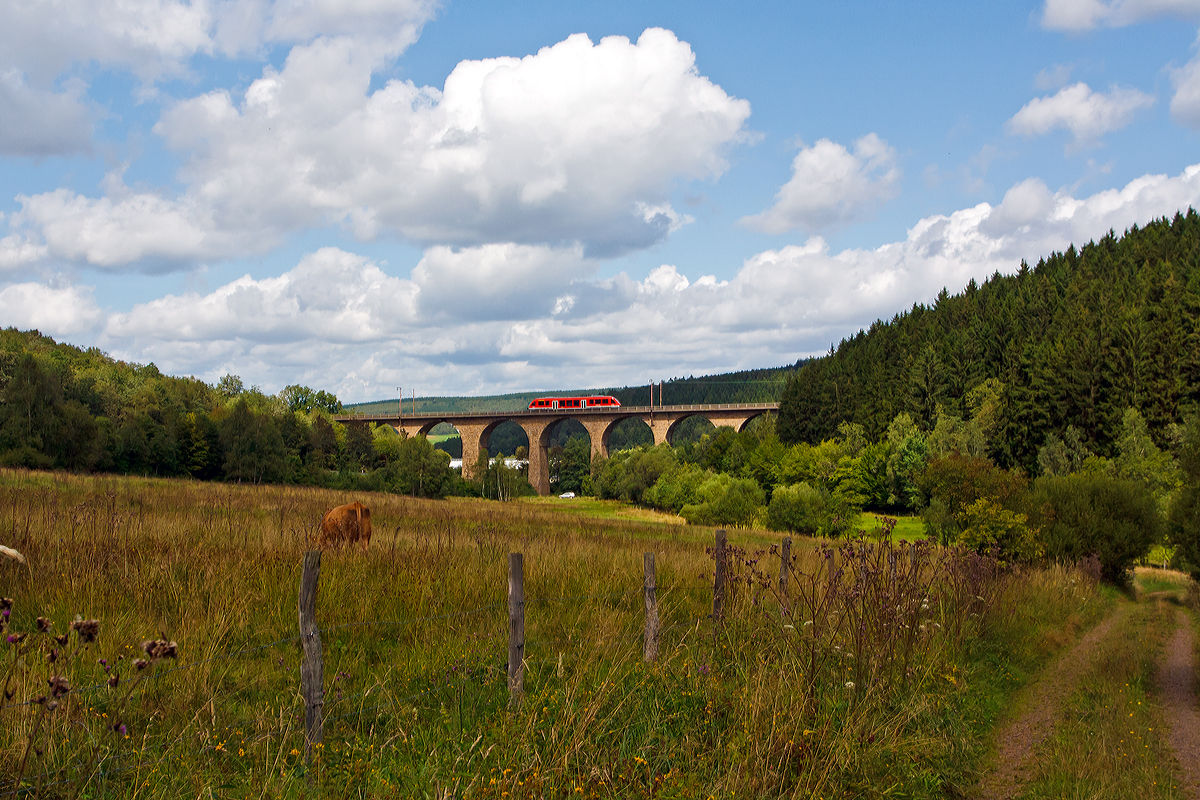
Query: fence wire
pixel 400 622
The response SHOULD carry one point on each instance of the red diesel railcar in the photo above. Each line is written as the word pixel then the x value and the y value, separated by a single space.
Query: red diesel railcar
pixel 595 401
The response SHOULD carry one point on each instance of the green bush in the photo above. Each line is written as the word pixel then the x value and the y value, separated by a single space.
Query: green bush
pixel 809 511
pixel 629 473
pixel 955 483
pixel 677 488
pixel 988 527
pixel 1085 514
pixel 725 500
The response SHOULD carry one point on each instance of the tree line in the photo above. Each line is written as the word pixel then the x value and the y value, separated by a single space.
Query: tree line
pixel 63 407
pixel 1078 504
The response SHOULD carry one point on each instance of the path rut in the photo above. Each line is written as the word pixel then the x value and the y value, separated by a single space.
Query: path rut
pixel 1176 680
pixel 1017 740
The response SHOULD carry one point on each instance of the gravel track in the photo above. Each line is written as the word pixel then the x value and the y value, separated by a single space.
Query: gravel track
pixel 1016 741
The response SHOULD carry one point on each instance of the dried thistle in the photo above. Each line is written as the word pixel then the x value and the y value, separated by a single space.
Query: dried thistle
pixel 59 685
pixel 44 625
pixel 87 629
pixel 158 649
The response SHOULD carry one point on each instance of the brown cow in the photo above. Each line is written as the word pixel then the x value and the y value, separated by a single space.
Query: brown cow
pixel 346 524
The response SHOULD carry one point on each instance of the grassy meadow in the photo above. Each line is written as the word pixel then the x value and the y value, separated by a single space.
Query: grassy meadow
pixel 880 673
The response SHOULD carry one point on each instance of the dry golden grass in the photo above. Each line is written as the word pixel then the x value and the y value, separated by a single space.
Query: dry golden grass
pixel 415 686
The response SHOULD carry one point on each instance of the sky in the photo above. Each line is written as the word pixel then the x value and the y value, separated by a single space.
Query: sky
pixel 466 198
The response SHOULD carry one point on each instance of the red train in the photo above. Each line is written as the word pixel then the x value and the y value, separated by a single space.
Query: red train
pixel 595 401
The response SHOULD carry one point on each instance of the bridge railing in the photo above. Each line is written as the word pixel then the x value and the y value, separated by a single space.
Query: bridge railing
pixel 535 412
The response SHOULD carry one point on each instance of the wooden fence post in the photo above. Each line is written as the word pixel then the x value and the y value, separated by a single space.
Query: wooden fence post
pixel 785 566
pixel 516 629
pixel 312 670
pixel 650 589
pixel 720 578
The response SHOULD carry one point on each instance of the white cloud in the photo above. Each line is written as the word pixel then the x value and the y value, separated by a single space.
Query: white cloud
pixel 55 311
pixel 17 252
pixel 1185 104
pixel 831 185
pixel 496 281
pixel 1082 15
pixel 1086 114
pixel 337 320
pixel 35 122
pixel 157 38
pixel 581 142
pixel 107 233
pixel 330 295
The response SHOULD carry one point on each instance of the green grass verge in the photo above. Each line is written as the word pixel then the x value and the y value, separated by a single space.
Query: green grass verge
pixel 908 528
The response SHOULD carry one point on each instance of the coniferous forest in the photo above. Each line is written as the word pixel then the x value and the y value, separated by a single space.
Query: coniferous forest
pixel 1072 342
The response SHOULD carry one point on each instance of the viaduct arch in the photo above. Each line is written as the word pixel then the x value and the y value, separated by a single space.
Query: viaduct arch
pixel 476 429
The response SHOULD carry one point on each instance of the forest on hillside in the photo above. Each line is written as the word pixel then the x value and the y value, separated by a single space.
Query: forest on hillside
pixel 1070 343
pixel 64 407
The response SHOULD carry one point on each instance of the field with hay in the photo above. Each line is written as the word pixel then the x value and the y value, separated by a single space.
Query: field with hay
pixel 879 671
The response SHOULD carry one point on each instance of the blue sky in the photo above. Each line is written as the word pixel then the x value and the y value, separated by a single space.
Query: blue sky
pixel 473 197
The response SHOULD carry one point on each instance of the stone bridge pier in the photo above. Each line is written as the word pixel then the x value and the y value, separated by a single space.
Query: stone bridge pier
pixel 476 429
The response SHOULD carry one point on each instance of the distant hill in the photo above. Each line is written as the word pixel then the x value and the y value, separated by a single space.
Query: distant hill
pixel 747 386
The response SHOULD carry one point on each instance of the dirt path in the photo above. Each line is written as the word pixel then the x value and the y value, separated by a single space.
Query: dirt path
pixel 1176 674
pixel 1043 700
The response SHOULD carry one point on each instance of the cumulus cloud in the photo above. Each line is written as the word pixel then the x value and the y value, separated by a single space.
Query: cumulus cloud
pixel 579 143
pixel 160 233
pixel 497 281
pixel 1086 114
pixel 330 295
pixel 43 40
pixel 1082 15
pixel 53 310
pixel 337 319
pixel 157 38
pixel 17 252
pixel 831 185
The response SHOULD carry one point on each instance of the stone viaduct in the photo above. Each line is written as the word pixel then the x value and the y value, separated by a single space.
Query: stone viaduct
pixel 476 428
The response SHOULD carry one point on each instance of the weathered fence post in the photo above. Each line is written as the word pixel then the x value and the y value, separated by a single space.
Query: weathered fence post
pixel 720 578
pixel 650 589
pixel 516 629
pixel 312 670
pixel 785 566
